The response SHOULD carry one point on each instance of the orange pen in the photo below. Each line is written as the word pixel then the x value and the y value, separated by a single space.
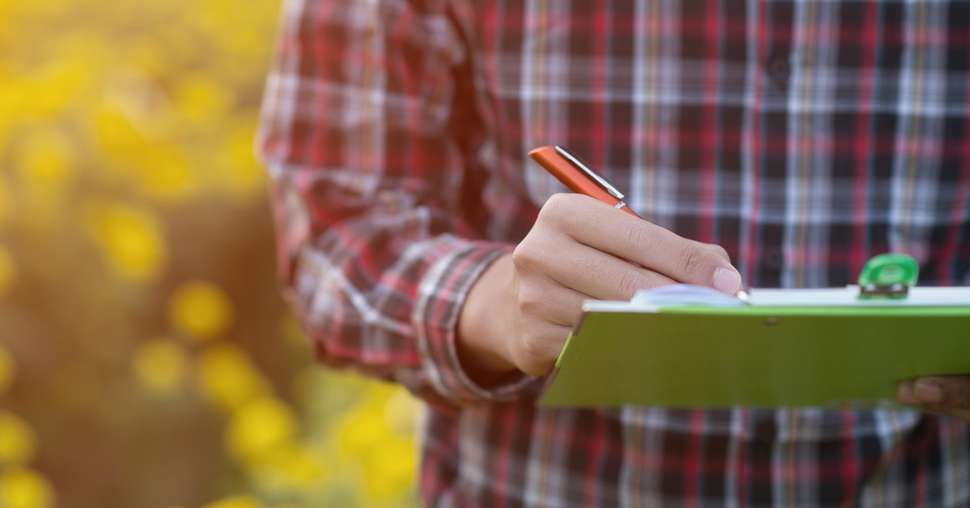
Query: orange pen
pixel 578 177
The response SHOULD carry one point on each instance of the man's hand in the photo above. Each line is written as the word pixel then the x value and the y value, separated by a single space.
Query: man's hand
pixel 943 394
pixel 520 312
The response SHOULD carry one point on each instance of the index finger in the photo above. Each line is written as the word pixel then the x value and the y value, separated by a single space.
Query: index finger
pixel 602 227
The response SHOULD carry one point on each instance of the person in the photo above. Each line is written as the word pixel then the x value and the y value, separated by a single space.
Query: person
pixel 770 144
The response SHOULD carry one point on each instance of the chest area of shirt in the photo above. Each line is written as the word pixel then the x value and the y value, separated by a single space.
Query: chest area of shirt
pixel 663 95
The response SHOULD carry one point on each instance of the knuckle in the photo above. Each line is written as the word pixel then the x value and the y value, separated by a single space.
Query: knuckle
pixel 554 206
pixel 721 251
pixel 530 301
pixel 533 346
pixel 629 283
pixel 524 255
pixel 692 260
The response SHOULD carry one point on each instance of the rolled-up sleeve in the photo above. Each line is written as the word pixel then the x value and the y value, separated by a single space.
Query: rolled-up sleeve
pixel 358 136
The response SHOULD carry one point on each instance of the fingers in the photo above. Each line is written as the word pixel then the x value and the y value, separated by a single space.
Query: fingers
pixel 603 276
pixel 587 271
pixel 945 392
pixel 548 300
pixel 545 313
pixel 949 395
pixel 599 226
pixel 539 347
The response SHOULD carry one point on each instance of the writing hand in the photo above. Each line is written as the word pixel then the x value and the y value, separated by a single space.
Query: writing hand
pixel 518 315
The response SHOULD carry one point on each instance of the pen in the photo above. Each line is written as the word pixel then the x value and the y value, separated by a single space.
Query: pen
pixel 578 177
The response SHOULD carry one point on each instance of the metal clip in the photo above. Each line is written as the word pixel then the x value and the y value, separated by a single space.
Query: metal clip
pixel 589 172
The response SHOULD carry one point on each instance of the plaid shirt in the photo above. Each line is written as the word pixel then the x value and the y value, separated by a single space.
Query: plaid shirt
pixel 803 136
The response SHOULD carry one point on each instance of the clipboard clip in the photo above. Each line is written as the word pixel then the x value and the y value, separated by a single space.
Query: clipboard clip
pixel 888 276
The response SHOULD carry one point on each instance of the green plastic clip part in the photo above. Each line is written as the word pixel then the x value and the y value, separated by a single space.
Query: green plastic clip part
pixel 888 276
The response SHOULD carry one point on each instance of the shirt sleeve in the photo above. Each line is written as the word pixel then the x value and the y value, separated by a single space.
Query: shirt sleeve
pixel 358 133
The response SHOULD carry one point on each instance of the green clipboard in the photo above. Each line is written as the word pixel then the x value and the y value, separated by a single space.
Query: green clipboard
pixel 831 349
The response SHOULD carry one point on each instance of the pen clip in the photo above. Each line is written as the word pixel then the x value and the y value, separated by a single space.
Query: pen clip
pixel 589 172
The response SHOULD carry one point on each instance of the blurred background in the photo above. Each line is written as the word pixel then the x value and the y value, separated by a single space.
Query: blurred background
pixel 146 359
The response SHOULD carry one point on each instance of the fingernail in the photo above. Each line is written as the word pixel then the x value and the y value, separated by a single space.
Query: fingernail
pixel 929 392
pixel 727 280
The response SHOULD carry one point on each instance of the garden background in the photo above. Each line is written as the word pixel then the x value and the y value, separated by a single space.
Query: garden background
pixel 146 359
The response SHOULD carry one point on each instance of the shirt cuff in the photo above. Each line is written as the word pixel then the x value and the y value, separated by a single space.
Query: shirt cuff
pixel 441 294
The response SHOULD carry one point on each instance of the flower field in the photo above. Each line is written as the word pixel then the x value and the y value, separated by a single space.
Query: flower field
pixel 146 359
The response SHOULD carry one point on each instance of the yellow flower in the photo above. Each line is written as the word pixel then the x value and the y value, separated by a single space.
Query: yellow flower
pixel 46 160
pixel 130 237
pixel 17 441
pixel 372 438
pixel 23 488
pixel 159 365
pixel 242 501
pixel 228 378
pixel 391 471
pixel 288 468
pixel 8 274
pixel 44 168
pixel 402 412
pixel 301 467
pixel 361 429
pixel 240 173
pixel 199 98
pixel 6 369
pixel 200 309
pixel 167 174
pixel 120 140
pixel 50 89
pixel 258 428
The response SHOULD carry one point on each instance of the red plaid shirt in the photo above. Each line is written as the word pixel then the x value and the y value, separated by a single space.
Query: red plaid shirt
pixel 803 136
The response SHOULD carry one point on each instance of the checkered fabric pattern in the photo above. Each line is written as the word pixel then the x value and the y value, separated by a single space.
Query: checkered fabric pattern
pixel 803 136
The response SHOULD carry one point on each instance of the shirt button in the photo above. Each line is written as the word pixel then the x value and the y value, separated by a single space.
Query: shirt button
pixel 778 69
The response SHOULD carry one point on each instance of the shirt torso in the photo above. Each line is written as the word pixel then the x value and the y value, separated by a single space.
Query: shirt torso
pixel 804 137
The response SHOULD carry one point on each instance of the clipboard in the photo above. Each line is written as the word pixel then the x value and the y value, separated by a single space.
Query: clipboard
pixel 779 348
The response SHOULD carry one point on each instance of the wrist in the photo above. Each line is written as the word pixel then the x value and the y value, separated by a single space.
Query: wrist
pixel 484 325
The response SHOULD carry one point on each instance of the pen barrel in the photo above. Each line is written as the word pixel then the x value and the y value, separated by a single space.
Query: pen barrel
pixel 574 179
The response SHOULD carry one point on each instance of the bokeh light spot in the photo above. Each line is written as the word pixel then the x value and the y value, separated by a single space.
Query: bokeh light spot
pixel 200 309
pixel 243 501
pixel 24 488
pixel 258 428
pixel 159 365
pixel 17 441
pixel 130 237
pixel 228 378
